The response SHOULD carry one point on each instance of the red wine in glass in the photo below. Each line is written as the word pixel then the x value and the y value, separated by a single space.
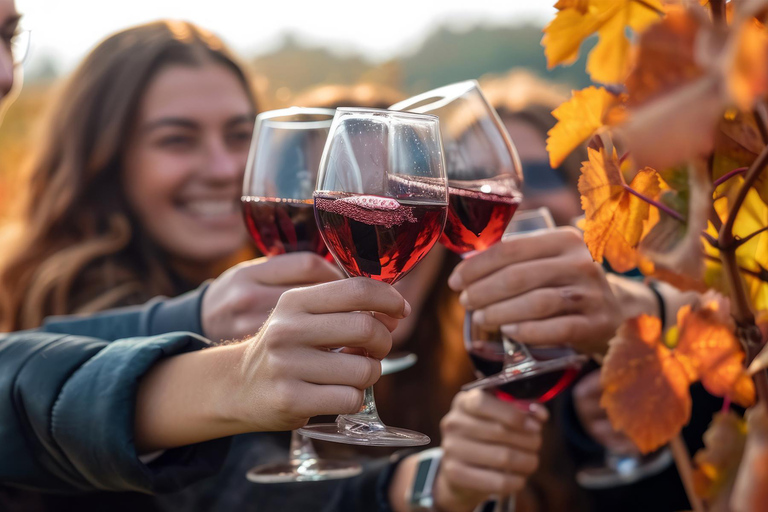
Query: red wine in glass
pixel 280 226
pixel 378 237
pixel 478 213
pixel 487 353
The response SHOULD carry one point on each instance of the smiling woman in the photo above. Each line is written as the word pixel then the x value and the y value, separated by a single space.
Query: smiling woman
pixel 134 189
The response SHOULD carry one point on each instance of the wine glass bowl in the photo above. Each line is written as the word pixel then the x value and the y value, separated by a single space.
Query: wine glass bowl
pixel 280 178
pixel 482 165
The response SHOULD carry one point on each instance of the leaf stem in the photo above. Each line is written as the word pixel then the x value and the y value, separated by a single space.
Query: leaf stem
pixel 741 241
pixel 666 209
pixel 761 119
pixel 651 7
pixel 718 10
pixel 757 167
pixel 685 469
pixel 725 177
pixel 710 239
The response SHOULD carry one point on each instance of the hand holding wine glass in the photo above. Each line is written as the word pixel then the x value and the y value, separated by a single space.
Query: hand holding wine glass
pixel 281 377
pixel 380 204
pixel 541 288
pixel 240 300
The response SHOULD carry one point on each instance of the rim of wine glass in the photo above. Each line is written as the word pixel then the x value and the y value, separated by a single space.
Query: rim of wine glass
pixel 273 118
pixel 442 97
pixel 386 112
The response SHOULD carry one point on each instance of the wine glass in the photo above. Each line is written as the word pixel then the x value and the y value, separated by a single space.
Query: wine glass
pixel 482 166
pixel 380 204
pixel 484 181
pixel 277 205
pixel 511 370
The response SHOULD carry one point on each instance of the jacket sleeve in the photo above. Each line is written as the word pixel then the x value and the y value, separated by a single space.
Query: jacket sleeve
pixel 67 414
pixel 158 316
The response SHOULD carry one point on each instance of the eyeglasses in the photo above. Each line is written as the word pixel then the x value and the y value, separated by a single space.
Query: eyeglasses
pixel 19 46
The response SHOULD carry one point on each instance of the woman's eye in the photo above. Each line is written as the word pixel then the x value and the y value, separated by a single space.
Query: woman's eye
pixel 177 141
pixel 239 138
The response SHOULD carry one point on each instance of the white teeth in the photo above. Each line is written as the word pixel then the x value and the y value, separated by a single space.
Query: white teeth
pixel 211 208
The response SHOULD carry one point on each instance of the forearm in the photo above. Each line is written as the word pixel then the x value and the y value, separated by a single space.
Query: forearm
pixel 181 400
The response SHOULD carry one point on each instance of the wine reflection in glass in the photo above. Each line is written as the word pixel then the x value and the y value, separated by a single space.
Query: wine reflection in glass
pixel 380 205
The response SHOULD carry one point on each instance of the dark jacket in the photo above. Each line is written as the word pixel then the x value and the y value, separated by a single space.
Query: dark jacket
pixel 66 424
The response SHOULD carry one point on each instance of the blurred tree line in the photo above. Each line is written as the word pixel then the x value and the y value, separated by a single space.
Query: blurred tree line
pixel 445 56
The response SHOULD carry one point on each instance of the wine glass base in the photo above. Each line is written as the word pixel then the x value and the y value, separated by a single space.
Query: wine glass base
pixel 313 470
pixel 626 471
pixel 527 370
pixel 388 436
pixel 397 362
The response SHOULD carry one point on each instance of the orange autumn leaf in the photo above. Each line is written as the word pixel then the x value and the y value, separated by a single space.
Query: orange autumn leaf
pixel 615 217
pixel 609 60
pixel 645 388
pixel 666 56
pixel 579 118
pixel 709 349
pixel 717 463
pixel 747 76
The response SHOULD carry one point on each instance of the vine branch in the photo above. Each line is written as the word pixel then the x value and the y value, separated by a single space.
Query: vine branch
pixel 666 209
pixel 725 177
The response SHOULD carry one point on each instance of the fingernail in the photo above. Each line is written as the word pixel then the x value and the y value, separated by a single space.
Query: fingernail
pixel 532 425
pixel 510 330
pixel 407 308
pixel 478 317
pixel 464 299
pixel 454 281
pixel 538 410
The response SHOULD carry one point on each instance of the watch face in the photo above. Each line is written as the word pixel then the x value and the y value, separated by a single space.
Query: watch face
pixel 426 471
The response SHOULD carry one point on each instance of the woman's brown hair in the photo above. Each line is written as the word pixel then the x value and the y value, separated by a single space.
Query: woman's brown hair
pixel 75 246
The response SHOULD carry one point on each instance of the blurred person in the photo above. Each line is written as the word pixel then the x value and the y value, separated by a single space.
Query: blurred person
pixel 112 400
pixel 525 104
pixel 368 95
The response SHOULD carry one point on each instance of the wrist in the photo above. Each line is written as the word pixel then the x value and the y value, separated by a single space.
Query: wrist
pixel 634 297
pixel 449 499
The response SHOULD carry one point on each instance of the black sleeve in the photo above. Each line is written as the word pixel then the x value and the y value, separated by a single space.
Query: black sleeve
pixel 67 413
pixel 158 316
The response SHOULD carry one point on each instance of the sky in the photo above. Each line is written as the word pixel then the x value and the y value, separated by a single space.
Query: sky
pixel 66 29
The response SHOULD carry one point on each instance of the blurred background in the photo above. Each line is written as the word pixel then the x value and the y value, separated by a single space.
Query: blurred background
pixel 294 47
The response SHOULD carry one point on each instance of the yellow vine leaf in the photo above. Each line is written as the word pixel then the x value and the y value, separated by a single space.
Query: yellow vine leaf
pixel 752 256
pixel 579 118
pixel 615 219
pixel 609 61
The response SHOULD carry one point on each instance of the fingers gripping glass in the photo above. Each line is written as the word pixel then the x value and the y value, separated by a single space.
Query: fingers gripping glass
pixel 380 204
pixel 511 368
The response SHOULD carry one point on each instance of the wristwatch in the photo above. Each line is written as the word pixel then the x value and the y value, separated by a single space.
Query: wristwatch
pixel 420 499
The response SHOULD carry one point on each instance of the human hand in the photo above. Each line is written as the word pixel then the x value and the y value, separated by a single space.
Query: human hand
pixel 541 288
pixel 490 448
pixel 238 303
pixel 593 418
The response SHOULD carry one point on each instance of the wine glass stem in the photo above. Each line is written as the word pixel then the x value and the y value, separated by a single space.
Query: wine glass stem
pixel 515 352
pixel 367 419
pixel 505 504
pixel 302 448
